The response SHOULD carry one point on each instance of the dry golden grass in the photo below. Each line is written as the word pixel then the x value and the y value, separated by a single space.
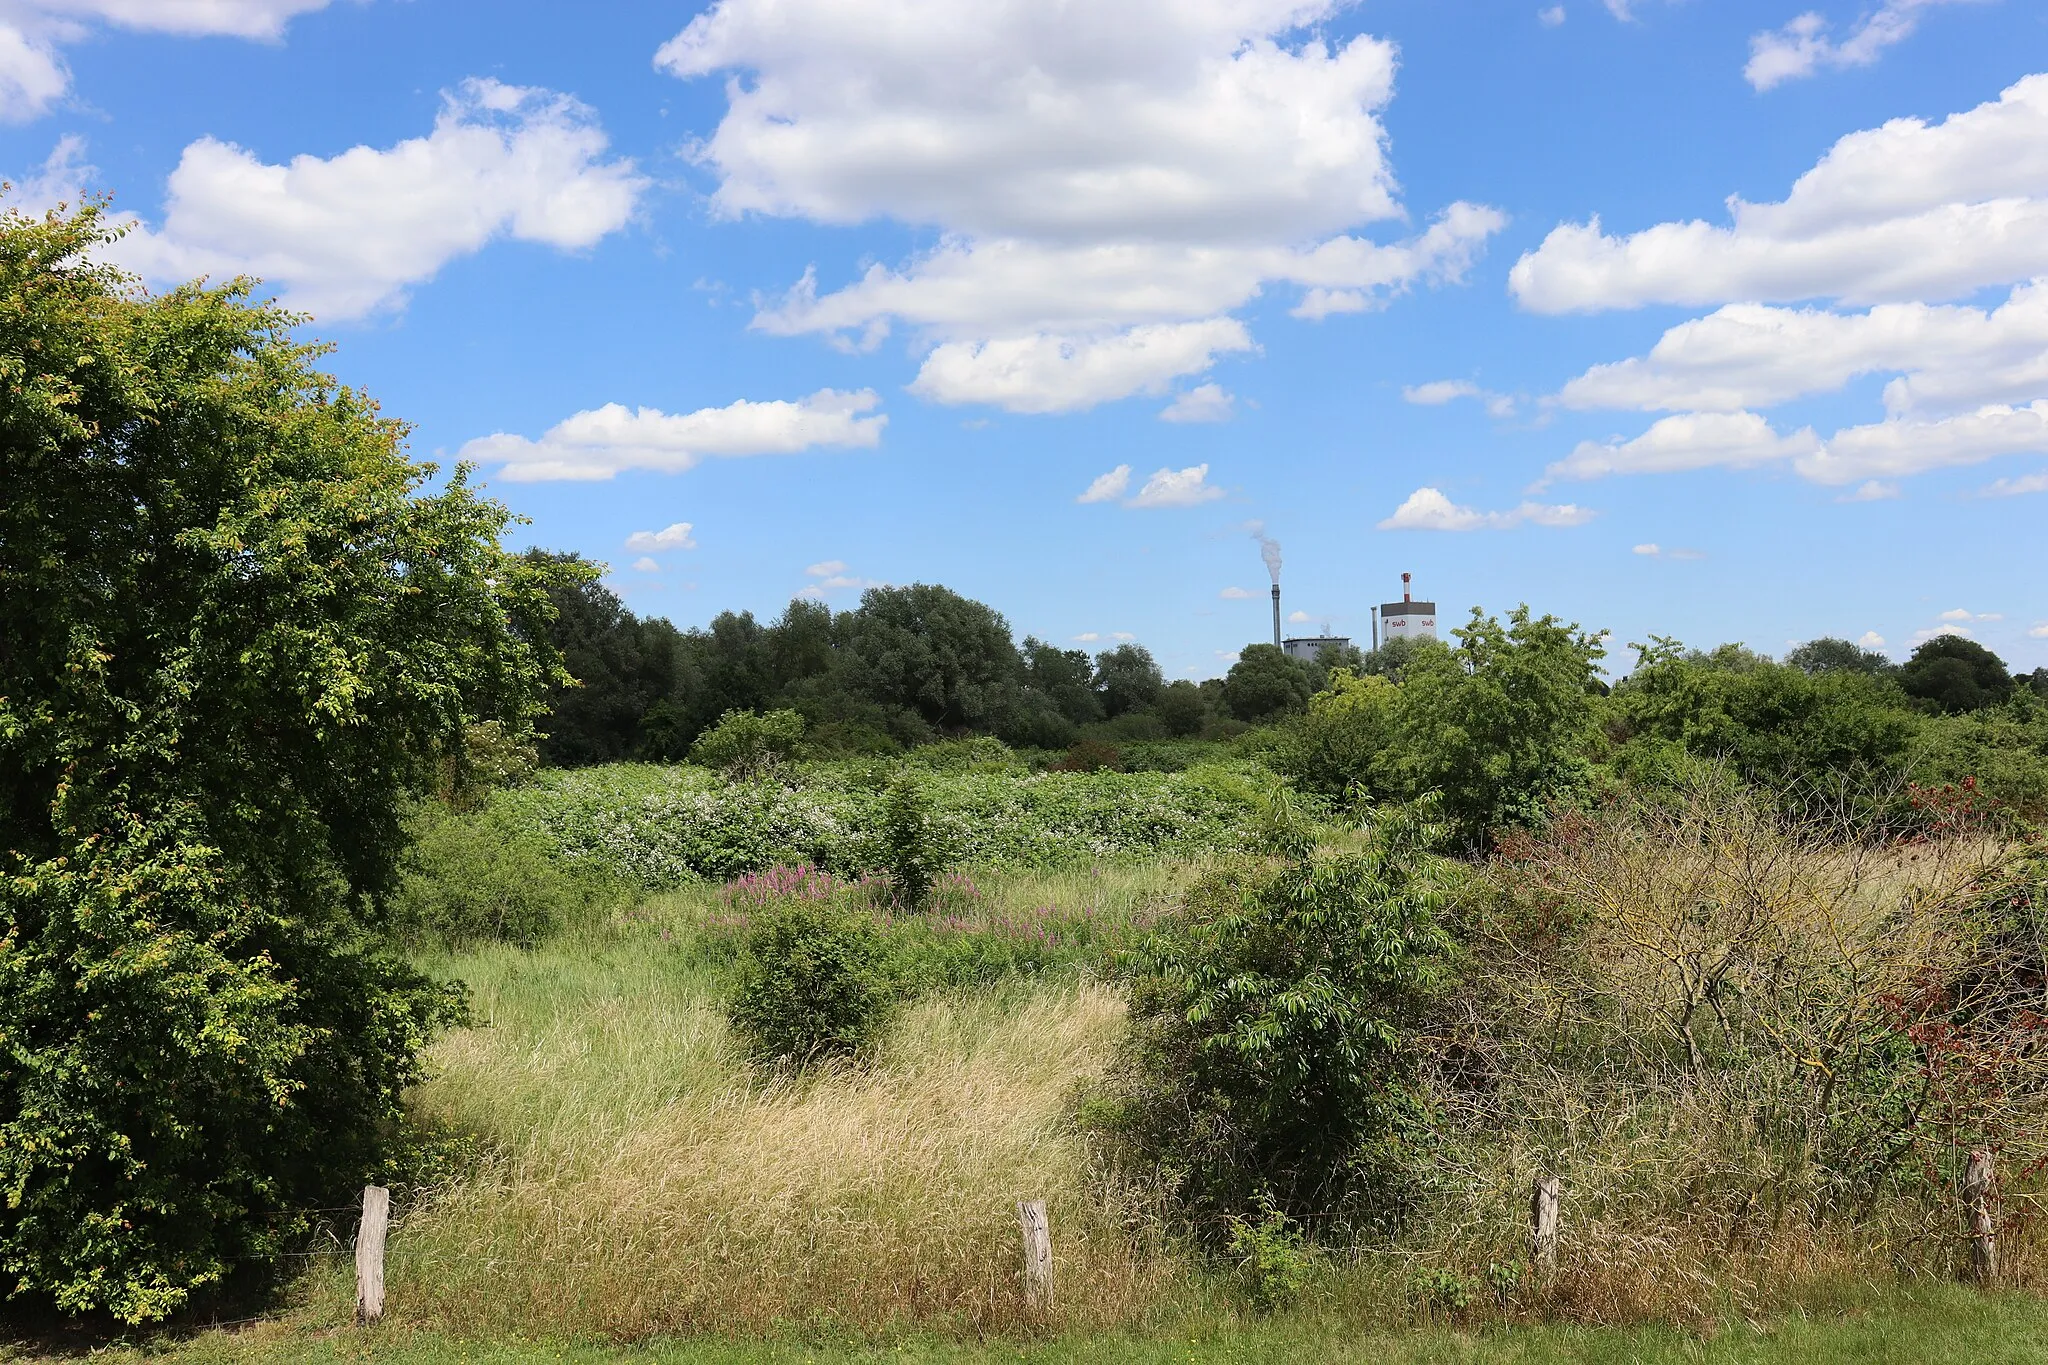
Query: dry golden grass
pixel 646 1181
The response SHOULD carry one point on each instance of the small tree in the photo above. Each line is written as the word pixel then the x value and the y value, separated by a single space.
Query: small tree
pixel 235 637
pixel 812 983
pixel 1266 685
pixel 1265 1069
pixel 913 848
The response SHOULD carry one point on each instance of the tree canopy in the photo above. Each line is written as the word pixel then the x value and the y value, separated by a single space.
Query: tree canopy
pixel 237 630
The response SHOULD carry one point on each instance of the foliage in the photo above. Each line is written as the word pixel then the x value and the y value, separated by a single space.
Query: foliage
pixel 1273 1260
pixel 1500 724
pixel 1952 674
pixel 1092 756
pixel 1128 679
pixel 1265 684
pixel 471 877
pixel 812 983
pixel 1831 655
pixel 661 827
pixel 743 743
pixel 1267 1064
pixel 1346 735
pixel 621 668
pixel 912 848
pixel 234 637
pixel 1181 709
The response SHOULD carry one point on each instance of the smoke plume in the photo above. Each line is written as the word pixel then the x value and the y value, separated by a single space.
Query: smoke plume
pixel 1269 550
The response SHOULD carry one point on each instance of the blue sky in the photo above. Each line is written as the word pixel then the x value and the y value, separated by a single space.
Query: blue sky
pixel 1709 318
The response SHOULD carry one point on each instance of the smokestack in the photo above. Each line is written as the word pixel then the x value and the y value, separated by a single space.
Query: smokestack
pixel 1276 616
pixel 1406 596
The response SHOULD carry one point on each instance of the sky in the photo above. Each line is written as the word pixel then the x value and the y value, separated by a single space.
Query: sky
pixel 1723 320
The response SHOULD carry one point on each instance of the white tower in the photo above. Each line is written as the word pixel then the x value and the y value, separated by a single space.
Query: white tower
pixel 1407 619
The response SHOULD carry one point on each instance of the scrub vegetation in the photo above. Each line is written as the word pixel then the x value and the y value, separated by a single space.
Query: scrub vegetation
pixel 717 994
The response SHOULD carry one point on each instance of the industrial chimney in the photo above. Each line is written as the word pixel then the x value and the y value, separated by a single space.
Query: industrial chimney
pixel 1276 616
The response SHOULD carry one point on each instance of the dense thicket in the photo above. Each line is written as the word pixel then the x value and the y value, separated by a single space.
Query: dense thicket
pixel 234 635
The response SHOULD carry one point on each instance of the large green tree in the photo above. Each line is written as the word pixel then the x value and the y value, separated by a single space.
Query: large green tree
pixel 236 631
pixel 1955 675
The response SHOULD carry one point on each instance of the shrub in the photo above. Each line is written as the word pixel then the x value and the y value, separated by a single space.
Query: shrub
pixel 1265 1066
pixel 813 983
pixel 743 742
pixel 912 847
pixel 1273 1260
pixel 235 638
pixel 484 876
pixel 1092 756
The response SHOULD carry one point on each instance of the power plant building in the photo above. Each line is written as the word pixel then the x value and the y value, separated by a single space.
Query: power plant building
pixel 1407 619
pixel 1306 647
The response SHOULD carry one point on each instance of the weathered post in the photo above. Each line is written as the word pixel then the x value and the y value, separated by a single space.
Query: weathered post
pixel 1543 1203
pixel 1037 1255
pixel 370 1253
pixel 1979 1191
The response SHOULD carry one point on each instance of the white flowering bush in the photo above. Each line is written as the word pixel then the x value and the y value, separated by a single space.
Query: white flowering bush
pixel 664 826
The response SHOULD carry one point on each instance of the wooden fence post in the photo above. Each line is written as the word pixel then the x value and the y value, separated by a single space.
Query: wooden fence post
pixel 1037 1254
pixel 1543 1208
pixel 1979 1190
pixel 370 1253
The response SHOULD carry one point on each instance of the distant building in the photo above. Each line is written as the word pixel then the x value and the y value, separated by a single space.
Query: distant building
pixel 1306 647
pixel 1407 619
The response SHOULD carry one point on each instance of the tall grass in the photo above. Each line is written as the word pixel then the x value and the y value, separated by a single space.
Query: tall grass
pixel 642 1179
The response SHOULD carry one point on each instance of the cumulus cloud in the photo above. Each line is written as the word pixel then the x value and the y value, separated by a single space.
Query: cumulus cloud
pixel 1047 373
pixel 1909 211
pixel 1438 392
pixel 1188 487
pixel 602 442
pixel 1203 403
pixel 1959 615
pixel 1091 169
pixel 1088 637
pixel 346 235
pixel 1870 639
pixel 1427 509
pixel 832 576
pixel 1653 549
pixel 676 537
pixel 33 76
pixel 1237 594
pixel 1902 210
pixel 2039 632
pixel 1921 637
pixel 645 564
pixel 1108 487
pixel 1802 47
pixel 829 568
pixel 1872 490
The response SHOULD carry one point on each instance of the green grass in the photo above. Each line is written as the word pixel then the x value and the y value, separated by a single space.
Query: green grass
pixel 1929 1326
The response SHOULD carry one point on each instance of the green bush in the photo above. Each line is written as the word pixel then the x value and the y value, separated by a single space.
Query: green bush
pixel 482 876
pixel 1273 1260
pixel 744 742
pixel 1265 1067
pixel 813 983
pixel 912 848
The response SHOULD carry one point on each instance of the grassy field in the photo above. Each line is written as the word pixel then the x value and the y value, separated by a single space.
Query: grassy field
pixel 1931 1326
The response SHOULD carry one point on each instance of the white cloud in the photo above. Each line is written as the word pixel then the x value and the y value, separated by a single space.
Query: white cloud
pixel 1872 490
pixel 1652 549
pixel 1088 637
pixel 1960 614
pixel 346 235
pixel 1237 594
pixel 1047 373
pixel 1656 551
pixel 1123 635
pixel 1870 639
pixel 1108 487
pixel 1906 211
pixel 1299 617
pixel 1921 637
pixel 61 179
pixel 1427 509
pixel 1694 440
pixel 2039 632
pixel 600 443
pixel 1188 487
pixel 2013 488
pixel 1091 168
pixel 832 576
pixel 32 72
pixel 1438 392
pixel 1802 47
pixel 1552 17
pixel 676 537
pixel 1203 403
pixel 830 568
pixel 645 564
